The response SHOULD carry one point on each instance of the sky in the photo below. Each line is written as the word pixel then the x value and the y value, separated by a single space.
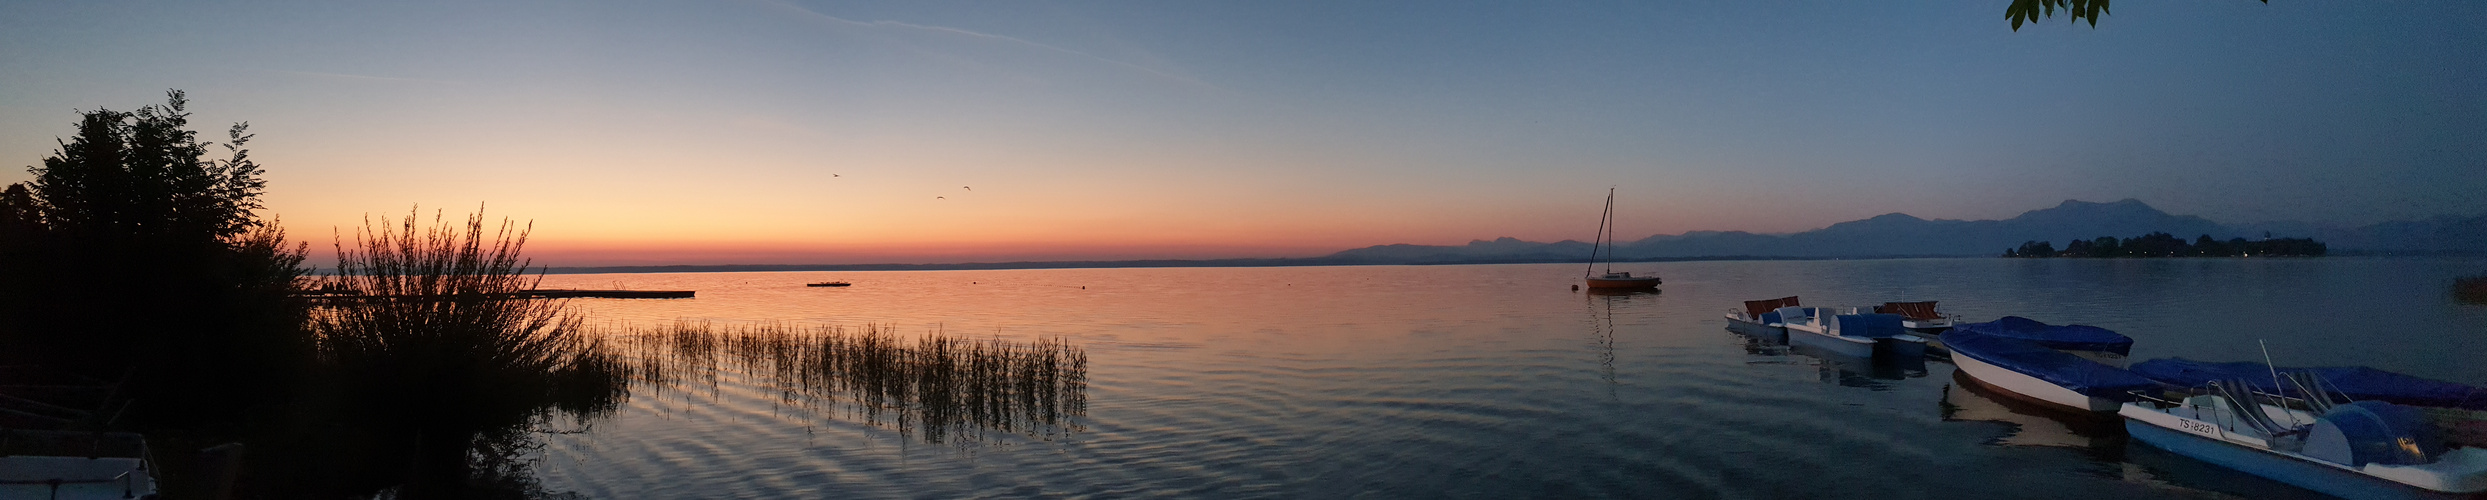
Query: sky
pixel 802 132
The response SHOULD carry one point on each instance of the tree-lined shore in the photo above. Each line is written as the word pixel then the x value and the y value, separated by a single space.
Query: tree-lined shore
pixel 2160 245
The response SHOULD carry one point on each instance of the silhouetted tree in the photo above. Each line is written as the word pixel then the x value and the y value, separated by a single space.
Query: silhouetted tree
pixel 2104 246
pixel 2030 10
pixel 131 255
pixel 2207 247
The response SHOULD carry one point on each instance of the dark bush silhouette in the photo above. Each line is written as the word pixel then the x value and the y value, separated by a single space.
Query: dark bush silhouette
pixel 131 257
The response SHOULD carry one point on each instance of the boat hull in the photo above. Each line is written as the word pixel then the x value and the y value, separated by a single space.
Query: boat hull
pixel 2020 384
pixel 2303 473
pixel 1650 283
pixel 1836 344
pixel 1755 328
pixel 1901 347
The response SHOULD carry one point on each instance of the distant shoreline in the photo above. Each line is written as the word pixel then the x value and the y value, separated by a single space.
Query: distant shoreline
pixel 1301 262
pixel 1113 264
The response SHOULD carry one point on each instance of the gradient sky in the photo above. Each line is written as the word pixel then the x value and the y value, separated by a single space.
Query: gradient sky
pixel 709 132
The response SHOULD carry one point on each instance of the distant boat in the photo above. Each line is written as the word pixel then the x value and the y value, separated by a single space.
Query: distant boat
pixel 831 283
pixel 1611 280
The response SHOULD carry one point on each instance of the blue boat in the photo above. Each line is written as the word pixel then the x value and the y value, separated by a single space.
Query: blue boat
pixel 2074 338
pixel 2317 441
pixel 2356 382
pixel 1843 331
pixel 2030 369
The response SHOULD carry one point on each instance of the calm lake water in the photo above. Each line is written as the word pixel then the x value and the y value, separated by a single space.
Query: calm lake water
pixel 1497 381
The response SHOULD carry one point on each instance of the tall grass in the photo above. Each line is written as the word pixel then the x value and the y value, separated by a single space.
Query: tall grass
pixel 939 387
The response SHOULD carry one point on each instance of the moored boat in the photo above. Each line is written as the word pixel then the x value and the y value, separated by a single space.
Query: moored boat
pixel 1603 251
pixel 1919 317
pixel 2089 342
pixel 830 283
pixel 2457 411
pixel 1760 317
pixel 2352 449
pixel 74 465
pixel 2030 370
pixel 1842 330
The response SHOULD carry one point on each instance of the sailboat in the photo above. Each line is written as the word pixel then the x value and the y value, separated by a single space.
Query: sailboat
pixel 1611 280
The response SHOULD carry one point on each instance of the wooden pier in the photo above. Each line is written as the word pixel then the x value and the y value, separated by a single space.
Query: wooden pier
pixel 531 294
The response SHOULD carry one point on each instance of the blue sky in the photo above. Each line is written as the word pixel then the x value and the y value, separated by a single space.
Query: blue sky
pixel 717 132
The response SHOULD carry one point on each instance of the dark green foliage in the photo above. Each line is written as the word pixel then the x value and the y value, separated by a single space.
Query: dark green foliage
pixel 2168 245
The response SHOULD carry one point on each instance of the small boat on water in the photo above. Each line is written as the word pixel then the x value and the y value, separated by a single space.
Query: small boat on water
pixel 1845 331
pixel 1603 251
pixel 1760 317
pixel 830 283
pixel 74 465
pixel 2457 411
pixel 2057 365
pixel 1920 317
pixel 2089 342
pixel 2316 440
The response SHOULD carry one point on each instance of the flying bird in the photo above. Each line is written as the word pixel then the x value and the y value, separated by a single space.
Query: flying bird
pixel 941 197
pixel 967 188
pixel 833 175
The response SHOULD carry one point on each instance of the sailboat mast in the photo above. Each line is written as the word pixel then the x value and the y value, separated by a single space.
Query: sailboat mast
pixel 1599 241
pixel 1610 230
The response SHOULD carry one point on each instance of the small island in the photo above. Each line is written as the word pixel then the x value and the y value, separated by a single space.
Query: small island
pixel 2167 245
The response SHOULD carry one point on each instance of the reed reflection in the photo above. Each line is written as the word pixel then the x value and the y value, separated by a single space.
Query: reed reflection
pixel 940 387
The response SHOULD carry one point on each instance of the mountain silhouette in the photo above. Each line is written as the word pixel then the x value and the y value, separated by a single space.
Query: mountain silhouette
pixel 1903 235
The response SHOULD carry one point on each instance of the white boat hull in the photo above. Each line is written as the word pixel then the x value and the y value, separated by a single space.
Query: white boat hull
pixel 1836 344
pixel 2017 383
pixel 2458 472
pixel 1738 324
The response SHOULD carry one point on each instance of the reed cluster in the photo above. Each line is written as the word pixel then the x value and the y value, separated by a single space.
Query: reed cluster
pixel 938 386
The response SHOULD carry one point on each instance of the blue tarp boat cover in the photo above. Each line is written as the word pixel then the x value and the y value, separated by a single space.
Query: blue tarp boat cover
pixel 2056 367
pixel 1871 325
pixel 2066 337
pixel 1771 317
pixel 2358 382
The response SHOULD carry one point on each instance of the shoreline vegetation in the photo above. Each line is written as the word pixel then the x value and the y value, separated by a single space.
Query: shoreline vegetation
pixel 2164 245
pixel 142 292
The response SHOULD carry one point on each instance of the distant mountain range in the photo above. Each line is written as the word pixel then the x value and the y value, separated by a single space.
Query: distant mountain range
pixel 1903 235
pixel 1888 235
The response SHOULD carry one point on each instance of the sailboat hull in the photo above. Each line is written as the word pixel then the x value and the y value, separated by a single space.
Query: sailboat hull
pixel 1638 283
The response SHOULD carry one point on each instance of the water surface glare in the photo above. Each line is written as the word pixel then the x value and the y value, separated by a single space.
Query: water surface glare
pixel 1497 381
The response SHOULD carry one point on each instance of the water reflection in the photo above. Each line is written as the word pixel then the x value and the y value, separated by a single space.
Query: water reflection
pixel 2034 424
pixel 1875 373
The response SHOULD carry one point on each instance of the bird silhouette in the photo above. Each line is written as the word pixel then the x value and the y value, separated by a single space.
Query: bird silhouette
pixel 833 175
pixel 941 197
pixel 967 188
